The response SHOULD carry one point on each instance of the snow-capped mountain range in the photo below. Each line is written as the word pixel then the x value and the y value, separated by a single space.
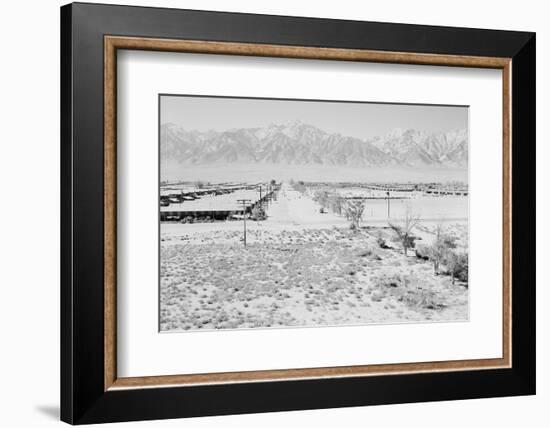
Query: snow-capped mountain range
pixel 297 143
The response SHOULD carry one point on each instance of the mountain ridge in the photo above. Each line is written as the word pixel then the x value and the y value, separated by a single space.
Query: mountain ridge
pixel 298 143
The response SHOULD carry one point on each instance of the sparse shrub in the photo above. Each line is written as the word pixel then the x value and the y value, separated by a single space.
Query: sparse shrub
pixel 423 252
pixel 370 253
pixel 322 198
pixel 377 297
pixel 258 213
pixel 461 270
pixel 299 186
pixel 366 253
pixel 199 184
pixel 439 250
pixel 406 289
pixel 404 237
pixel 381 241
pixel 424 299
pixel 457 265
pixel 354 212
pixel 403 232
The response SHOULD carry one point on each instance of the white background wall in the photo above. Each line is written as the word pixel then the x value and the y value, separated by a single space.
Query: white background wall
pixel 29 228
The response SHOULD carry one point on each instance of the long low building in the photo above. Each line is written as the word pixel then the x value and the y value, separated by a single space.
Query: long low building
pixel 218 207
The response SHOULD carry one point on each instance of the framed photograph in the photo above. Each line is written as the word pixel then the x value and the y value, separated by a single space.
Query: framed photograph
pixel 266 213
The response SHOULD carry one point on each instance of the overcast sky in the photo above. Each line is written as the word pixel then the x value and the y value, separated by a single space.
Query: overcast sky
pixel 362 120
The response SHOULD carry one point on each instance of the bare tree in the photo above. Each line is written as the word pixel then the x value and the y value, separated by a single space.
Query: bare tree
pixel 337 202
pixel 354 212
pixel 321 197
pixel 404 232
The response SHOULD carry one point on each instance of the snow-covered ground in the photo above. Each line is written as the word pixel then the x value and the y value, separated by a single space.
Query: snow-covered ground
pixel 293 208
pixel 301 267
pixel 308 277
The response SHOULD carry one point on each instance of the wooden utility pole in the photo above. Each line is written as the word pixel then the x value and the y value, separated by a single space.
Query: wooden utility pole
pixel 244 202
pixel 260 202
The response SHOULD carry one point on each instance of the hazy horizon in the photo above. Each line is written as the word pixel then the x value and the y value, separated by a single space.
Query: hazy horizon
pixel 363 120
pixel 265 172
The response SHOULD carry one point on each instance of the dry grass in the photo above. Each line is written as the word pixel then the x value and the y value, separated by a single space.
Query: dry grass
pixel 308 277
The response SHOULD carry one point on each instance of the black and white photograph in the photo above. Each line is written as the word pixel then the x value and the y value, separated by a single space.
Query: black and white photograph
pixel 307 213
pixel 275 214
